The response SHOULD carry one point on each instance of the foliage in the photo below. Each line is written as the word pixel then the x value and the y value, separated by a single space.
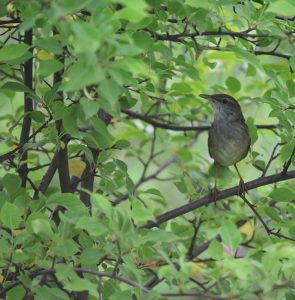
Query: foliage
pixel 105 189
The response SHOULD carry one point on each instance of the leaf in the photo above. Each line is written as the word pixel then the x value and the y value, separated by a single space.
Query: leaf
pixel 92 225
pixel 13 51
pixel 230 235
pixel 215 250
pixel 103 138
pixel 49 67
pixel 81 284
pixel 292 62
pixel 65 247
pixel 282 7
pixel 10 215
pixel 89 107
pixel 233 84
pixel 101 204
pixel 42 228
pixel 283 194
pixel 11 183
pixel 80 74
pixel 16 87
pixel 76 167
pixel 143 40
pixel 17 292
pixel 69 201
pixel 44 55
pixel 244 54
pixel 252 130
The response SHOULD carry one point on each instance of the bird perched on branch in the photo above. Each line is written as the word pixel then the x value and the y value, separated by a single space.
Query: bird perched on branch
pixel 229 139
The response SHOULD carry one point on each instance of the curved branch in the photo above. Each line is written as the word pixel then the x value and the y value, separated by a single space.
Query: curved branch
pixel 169 126
pixel 234 191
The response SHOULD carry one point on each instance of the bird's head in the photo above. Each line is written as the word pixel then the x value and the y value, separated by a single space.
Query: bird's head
pixel 226 108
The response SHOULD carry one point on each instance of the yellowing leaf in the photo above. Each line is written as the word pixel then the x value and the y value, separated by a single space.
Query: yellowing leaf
pixel 1 278
pixel 44 55
pixel 196 267
pixel 17 232
pixel 56 37
pixel 248 229
pixel 76 167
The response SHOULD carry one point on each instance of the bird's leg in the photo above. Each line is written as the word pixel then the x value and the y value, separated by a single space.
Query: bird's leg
pixel 242 187
pixel 215 190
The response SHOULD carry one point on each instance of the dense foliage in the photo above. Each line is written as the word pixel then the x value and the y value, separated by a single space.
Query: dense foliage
pixel 106 177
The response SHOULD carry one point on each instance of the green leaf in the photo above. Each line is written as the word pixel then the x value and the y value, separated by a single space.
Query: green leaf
pixel 69 120
pixel 10 215
pixel 81 284
pixel 282 7
pixel 291 87
pixel 101 204
pixel 50 293
pixel 215 250
pixel 292 62
pixel 103 138
pixel 38 116
pixel 89 107
pixel 12 51
pixel 230 235
pixel 65 248
pixel 11 183
pixel 17 292
pixel 49 67
pixel 69 201
pixel 244 54
pixel 82 74
pixel 201 3
pixel 233 84
pixel 252 130
pixel 42 228
pixel 92 225
pixel 283 194
pixel 16 87
pixel 143 40
pixel 271 212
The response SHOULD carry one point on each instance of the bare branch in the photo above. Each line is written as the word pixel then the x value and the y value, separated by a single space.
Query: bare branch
pixel 262 181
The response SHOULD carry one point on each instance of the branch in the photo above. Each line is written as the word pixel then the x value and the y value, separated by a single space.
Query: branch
pixel 179 36
pixel 267 229
pixel 220 195
pixel 169 126
pixel 28 107
pixel 9 154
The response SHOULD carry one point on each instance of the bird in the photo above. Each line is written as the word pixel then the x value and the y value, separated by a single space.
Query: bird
pixel 229 138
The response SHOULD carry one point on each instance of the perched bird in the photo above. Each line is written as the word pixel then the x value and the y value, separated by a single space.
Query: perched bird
pixel 229 139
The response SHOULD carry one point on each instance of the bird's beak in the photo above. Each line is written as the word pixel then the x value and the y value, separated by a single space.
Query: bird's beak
pixel 207 97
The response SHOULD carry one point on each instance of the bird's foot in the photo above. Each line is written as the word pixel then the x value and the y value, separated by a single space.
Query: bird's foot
pixel 214 193
pixel 242 188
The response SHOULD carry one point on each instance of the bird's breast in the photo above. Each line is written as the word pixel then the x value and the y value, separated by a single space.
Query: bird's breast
pixel 228 142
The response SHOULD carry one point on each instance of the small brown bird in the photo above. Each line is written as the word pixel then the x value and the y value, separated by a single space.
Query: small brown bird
pixel 229 139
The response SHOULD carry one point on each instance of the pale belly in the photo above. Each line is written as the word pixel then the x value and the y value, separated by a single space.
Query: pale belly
pixel 228 144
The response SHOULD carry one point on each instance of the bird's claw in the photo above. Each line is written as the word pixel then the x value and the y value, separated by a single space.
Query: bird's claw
pixel 214 193
pixel 242 188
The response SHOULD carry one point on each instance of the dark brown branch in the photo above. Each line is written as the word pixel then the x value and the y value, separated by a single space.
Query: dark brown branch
pixel 267 229
pixel 48 176
pixel 4 22
pixel 63 164
pixel 288 163
pixel 220 195
pixel 180 36
pixel 10 154
pixel 272 158
pixel 169 126
pixel 28 107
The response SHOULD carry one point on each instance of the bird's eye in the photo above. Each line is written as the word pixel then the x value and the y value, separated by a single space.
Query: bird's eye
pixel 224 101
